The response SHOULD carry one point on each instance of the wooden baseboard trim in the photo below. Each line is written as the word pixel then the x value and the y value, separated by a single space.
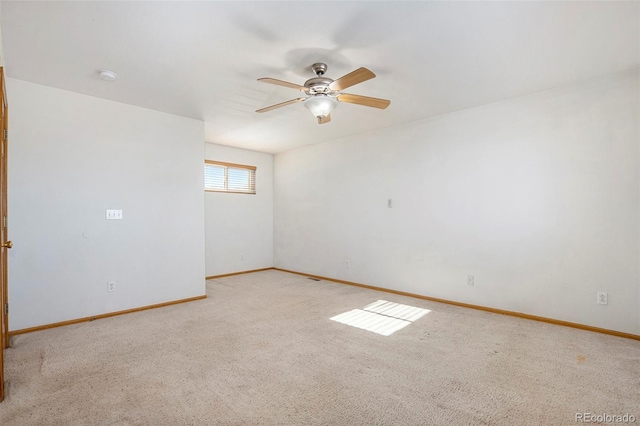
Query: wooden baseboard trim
pixel 110 314
pixel 478 307
pixel 213 277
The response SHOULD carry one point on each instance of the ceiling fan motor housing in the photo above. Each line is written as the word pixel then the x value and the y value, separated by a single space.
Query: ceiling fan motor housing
pixel 318 85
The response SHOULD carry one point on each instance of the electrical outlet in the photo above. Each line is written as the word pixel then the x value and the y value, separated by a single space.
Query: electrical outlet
pixel 111 286
pixel 348 263
pixel 470 280
pixel 602 298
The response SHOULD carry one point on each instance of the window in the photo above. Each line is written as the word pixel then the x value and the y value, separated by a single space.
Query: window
pixel 228 177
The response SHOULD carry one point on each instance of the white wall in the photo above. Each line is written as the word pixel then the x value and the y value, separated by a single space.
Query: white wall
pixel 239 227
pixel 537 197
pixel 71 157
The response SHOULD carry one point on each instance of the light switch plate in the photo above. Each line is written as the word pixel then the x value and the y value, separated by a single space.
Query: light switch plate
pixel 114 214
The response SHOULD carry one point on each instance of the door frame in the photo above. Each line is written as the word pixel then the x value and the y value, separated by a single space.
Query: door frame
pixel 4 290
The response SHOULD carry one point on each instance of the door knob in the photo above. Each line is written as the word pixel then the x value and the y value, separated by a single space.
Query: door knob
pixel 8 244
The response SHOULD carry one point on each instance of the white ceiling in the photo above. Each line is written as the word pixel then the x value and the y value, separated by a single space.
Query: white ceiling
pixel 202 59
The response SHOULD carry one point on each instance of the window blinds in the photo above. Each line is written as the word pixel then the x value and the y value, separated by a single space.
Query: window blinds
pixel 229 177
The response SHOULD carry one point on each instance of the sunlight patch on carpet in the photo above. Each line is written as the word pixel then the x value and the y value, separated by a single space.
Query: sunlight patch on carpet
pixel 381 317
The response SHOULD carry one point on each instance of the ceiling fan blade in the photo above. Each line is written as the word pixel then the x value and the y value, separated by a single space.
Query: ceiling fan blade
pixel 284 83
pixel 324 120
pixel 364 100
pixel 280 105
pixel 354 77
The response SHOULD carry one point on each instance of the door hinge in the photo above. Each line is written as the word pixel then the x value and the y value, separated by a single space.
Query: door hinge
pixel 5 221
pixel 6 309
pixel 6 134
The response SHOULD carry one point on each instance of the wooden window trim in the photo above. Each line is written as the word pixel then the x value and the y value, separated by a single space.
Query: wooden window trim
pixel 238 166
pixel 229 192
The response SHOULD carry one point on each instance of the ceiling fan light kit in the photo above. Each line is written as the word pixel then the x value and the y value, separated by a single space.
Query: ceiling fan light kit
pixel 320 105
pixel 325 93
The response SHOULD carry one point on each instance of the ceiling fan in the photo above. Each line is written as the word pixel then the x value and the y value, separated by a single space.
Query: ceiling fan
pixel 325 93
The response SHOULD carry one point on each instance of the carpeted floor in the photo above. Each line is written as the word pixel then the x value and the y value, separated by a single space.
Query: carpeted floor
pixel 262 350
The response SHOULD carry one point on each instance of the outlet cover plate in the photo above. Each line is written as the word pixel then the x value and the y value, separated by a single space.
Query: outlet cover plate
pixel 602 298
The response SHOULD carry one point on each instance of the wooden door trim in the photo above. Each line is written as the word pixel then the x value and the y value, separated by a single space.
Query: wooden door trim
pixel 4 291
pixel 3 209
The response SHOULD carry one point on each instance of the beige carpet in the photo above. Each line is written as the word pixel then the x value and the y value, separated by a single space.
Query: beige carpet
pixel 262 350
